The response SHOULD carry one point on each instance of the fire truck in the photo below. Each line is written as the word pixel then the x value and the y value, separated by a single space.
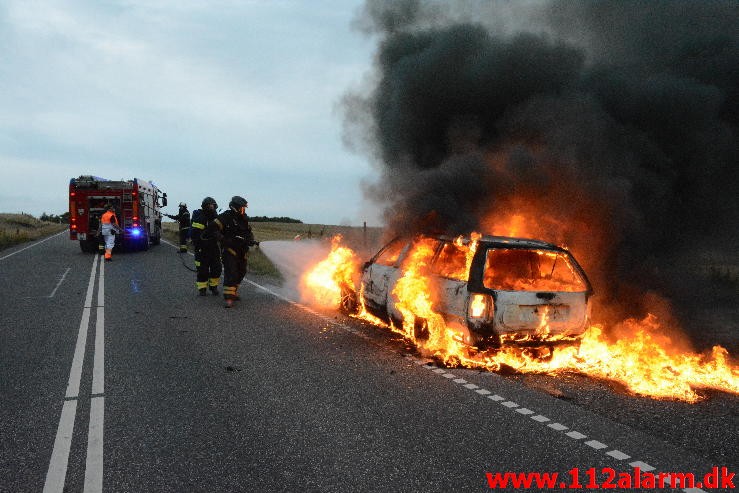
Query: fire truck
pixel 136 204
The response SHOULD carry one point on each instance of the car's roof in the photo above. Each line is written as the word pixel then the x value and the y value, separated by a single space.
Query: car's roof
pixel 504 242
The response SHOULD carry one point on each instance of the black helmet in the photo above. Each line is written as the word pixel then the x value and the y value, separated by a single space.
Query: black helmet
pixel 208 201
pixel 237 202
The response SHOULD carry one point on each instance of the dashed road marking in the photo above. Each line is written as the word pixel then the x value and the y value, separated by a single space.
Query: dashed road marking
pixel 618 455
pixel 524 410
pixel 540 418
pixel 596 444
pixel 576 435
pixel 558 426
pixel 642 465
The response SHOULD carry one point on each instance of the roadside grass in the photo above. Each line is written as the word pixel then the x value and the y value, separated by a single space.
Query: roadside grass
pixel 356 237
pixel 20 228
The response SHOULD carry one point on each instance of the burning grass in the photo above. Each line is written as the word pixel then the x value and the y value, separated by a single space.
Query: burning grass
pixel 635 353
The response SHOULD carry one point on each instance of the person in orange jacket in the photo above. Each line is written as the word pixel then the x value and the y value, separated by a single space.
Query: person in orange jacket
pixel 109 227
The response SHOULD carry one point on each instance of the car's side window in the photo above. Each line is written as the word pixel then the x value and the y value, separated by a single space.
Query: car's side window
pixel 452 262
pixel 390 254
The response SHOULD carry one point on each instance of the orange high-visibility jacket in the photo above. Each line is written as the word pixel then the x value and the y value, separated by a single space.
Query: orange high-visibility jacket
pixel 109 217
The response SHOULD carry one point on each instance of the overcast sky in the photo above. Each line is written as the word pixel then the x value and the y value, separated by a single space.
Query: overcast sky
pixel 203 97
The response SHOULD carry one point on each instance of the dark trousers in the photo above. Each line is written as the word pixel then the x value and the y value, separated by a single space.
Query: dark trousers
pixel 184 233
pixel 234 270
pixel 208 265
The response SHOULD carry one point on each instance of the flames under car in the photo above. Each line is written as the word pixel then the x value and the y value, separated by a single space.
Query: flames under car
pixel 508 291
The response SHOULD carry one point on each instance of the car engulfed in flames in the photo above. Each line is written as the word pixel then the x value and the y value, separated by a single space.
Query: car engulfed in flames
pixel 488 290
pixel 495 302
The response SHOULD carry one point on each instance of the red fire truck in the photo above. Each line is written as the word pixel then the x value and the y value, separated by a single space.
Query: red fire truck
pixel 135 202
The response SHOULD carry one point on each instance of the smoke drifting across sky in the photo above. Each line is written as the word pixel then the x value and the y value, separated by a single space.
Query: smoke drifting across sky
pixel 611 126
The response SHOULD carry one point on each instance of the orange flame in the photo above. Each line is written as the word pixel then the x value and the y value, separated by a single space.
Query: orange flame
pixel 324 282
pixel 643 360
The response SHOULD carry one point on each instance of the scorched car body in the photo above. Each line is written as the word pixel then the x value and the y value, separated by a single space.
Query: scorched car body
pixel 516 291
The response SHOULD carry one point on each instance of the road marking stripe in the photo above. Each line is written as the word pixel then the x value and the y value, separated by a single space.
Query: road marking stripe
pixel 94 462
pixel 36 243
pixel 460 380
pixel 59 283
pixel 449 375
pixel 510 404
pixel 641 465
pixel 75 374
pixel 471 386
pixel 496 397
pixel 483 392
pixel 523 410
pixel 618 455
pixel 596 444
pixel 557 426
pixel 57 473
pixel 576 435
pixel 98 372
pixel 540 418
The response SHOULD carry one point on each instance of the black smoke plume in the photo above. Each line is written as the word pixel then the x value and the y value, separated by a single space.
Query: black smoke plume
pixel 611 125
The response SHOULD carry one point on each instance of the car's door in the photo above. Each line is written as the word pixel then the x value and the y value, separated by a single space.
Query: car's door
pixel 376 276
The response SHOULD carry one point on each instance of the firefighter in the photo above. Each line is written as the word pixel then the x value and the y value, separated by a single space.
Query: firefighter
pixel 108 228
pixel 232 229
pixel 183 218
pixel 207 253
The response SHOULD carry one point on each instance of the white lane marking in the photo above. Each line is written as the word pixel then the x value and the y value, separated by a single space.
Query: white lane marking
pixel 57 473
pixel 618 455
pixel 496 397
pixel 36 243
pixel 557 426
pixel 576 435
pixel 510 404
pixel 525 411
pixel 73 386
pixel 59 283
pixel 94 462
pixel 694 490
pixel 460 380
pixel 596 444
pixel 98 372
pixel 439 370
pixel 641 465
pixel 471 386
pixel 483 392
pixel 449 375
pixel 540 418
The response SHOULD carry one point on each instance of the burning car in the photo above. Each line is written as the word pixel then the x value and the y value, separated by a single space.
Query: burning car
pixel 488 290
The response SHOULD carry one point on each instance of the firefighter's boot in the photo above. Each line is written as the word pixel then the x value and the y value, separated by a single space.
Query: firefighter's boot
pixel 202 292
pixel 213 285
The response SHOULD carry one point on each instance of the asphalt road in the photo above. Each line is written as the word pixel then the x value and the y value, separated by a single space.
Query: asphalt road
pixel 134 384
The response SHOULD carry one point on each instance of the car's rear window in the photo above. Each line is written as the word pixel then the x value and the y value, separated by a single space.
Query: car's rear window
pixel 530 270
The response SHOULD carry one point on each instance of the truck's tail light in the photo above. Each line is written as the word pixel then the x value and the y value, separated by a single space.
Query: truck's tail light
pixel 480 307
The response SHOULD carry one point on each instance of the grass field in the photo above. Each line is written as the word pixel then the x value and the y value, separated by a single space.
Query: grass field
pixel 19 228
pixel 357 237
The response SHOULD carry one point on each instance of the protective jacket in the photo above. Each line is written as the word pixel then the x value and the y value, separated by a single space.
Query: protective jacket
pixel 183 218
pixel 207 253
pixel 232 230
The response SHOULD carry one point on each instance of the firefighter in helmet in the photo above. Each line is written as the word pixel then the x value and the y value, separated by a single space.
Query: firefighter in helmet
pixel 108 228
pixel 207 253
pixel 183 218
pixel 232 229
